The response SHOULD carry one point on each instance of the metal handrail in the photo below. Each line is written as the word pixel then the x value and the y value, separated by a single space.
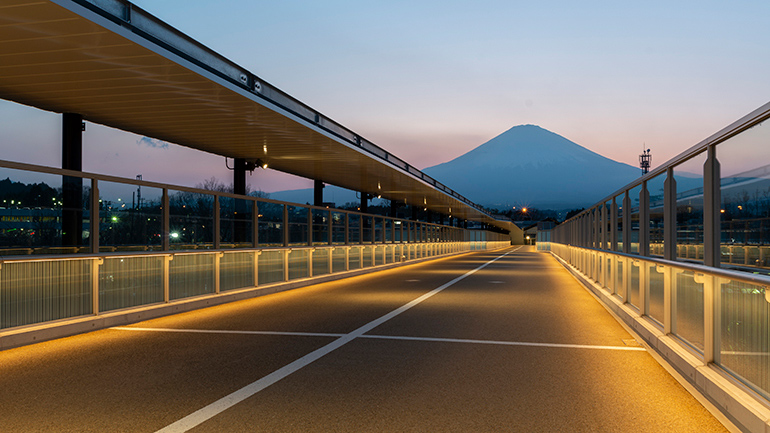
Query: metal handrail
pixel 758 279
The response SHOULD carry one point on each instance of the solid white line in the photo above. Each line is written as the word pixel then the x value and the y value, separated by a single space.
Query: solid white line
pixel 201 415
pixel 507 343
pixel 388 337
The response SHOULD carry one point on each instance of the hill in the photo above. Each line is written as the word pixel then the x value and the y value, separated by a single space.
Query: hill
pixel 531 166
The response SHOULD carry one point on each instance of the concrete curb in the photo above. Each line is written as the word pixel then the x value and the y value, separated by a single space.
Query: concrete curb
pixel 740 405
pixel 30 334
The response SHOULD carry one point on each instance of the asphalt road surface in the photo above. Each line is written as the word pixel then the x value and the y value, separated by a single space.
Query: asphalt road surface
pixel 484 342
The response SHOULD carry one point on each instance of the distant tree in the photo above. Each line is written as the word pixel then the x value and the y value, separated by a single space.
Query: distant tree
pixel 574 212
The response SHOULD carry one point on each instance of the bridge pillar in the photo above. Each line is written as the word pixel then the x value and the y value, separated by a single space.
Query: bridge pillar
pixel 239 176
pixel 72 187
pixel 318 192
pixel 364 202
pixel 241 232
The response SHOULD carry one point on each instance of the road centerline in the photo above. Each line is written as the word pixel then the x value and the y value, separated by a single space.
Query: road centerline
pixel 207 412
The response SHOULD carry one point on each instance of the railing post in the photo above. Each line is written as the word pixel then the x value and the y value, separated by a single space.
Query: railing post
pixel 711 205
pixel 217 267
pixel 96 262
pixel 285 255
pixel 167 278
pixel 310 262
pixel 256 267
pixel 710 319
pixel 309 227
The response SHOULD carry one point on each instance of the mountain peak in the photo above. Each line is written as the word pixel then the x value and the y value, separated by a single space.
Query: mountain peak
pixel 528 164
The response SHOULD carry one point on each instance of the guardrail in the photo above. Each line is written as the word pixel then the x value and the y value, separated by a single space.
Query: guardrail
pixel 686 247
pixel 75 244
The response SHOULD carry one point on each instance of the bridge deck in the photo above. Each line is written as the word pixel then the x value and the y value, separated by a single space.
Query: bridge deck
pixel 518 345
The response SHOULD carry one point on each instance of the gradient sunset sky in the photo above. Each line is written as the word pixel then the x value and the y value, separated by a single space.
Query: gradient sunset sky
pixel 431 80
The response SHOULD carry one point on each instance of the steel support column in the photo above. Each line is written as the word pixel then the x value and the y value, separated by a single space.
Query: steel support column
pixel 318 193
pixel 72 187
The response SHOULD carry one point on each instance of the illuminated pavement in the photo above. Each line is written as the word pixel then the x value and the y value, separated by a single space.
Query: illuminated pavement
pixel 518 345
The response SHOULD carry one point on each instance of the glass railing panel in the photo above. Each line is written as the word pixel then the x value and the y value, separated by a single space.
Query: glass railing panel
pixel 745 341
pixel 321 261
pixel 745 195
pixel 367 255
pixel 191 275
pixel 655 209
pixel 191 220
pixel 354 225
pixel 689 207
pixel 41 291
pixel 270 224
pixel 320 226
pixel 299 265
pixel 338 228
pixel 379 236
pixel 43 213
pixel 689 308
pixel 633 284
pixel 236 222
pixel 656 280
pixel 366 229
pixel 354 258
pixel 130 217
pixel 130 281
pixel 634 220
pixel 270 267
pixel 338 260
pixel 236 270
pixel 298 228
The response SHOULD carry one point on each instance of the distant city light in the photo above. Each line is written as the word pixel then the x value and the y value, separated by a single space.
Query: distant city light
pixel 174 235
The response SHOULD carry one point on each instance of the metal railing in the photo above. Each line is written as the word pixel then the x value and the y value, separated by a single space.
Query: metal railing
pixel 687 246
pixel 75 244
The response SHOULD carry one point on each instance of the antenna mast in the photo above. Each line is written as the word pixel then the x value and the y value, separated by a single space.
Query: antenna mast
pixel 645 159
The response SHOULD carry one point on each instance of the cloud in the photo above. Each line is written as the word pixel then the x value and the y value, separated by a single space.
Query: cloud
pixel 152 142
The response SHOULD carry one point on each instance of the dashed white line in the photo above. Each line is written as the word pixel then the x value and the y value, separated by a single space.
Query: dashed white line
pixel 201 415
pixel 391 337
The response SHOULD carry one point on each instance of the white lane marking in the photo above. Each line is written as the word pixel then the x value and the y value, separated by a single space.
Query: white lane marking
pixel 201 415
pixel 505 343
pixel 412 281
pixel 227 331
pixel 497 282
pixel 389 337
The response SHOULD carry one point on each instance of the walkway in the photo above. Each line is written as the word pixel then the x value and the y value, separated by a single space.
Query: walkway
pixel 517 345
